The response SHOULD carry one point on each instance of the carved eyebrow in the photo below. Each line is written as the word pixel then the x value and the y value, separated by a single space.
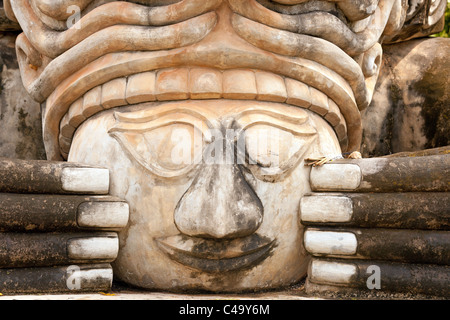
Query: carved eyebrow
pixel 147 120
pixel 148 114
pixel 296 124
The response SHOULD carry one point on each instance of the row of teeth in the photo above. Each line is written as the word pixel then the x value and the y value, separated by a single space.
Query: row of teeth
pixel 198 83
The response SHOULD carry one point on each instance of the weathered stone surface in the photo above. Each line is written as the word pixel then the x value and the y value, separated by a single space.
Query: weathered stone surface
pixel 404 174
pixel 106 214
pixel 172 84
pixel 92 102
pixel 334 276
pixel 62 279
pixel 20 116
pixel 421 153
pixel 410 107
pixel 76 113
pixel 319 102
pixel 7 25
pixel 330 243
pixel 52 249
pixel 141 88
pixel 113 93
pixel 48 213
pixel 42 227
pixel 205 83
pixel 39 176
pixel 270 87
pixel 405 234
pixel 202 219
pixel 414 246
pixel 239 84
pixel 413 210
pixel 421 18
pixel 298 93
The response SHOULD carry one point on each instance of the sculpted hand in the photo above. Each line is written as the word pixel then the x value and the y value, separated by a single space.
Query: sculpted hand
pixel 380 223
pixel 57 218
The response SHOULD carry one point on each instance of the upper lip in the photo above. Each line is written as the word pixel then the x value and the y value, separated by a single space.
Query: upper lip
pixel 213 255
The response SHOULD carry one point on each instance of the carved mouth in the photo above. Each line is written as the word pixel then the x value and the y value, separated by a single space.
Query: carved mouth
pixel 216 255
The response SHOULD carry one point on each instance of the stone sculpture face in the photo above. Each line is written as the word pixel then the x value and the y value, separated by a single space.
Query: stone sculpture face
pixel 206 215
pixel 204 112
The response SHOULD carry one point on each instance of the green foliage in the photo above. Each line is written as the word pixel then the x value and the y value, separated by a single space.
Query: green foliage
pixel 446 32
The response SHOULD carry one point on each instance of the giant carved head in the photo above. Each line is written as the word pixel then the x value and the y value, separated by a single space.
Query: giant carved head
pixel 204 110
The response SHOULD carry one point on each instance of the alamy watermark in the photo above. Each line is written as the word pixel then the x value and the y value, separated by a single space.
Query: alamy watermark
pixel 74 19
pixel 374 280
pixel 73 281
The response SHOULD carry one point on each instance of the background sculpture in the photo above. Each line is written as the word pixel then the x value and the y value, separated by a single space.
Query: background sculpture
pixel 135 86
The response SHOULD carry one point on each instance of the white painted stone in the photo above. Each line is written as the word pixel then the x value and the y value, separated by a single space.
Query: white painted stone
pixel 141 87
pixel 95 276
pixel 103 214
pixel 92 180
pixel 336 177
pixel 96 247
pixel 330 242
pixel 326 208
pixel 332 272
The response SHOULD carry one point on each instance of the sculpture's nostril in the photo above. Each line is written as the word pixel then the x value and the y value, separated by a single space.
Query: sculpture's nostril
pixel 219 204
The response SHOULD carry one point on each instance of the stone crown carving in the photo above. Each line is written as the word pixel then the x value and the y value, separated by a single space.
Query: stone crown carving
pixel 331 46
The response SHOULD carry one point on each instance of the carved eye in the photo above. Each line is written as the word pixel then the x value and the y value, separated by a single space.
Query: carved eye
pixel 271 147
pixel 169 146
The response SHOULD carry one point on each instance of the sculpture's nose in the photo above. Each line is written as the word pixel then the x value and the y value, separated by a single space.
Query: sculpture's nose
pixel 219 204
